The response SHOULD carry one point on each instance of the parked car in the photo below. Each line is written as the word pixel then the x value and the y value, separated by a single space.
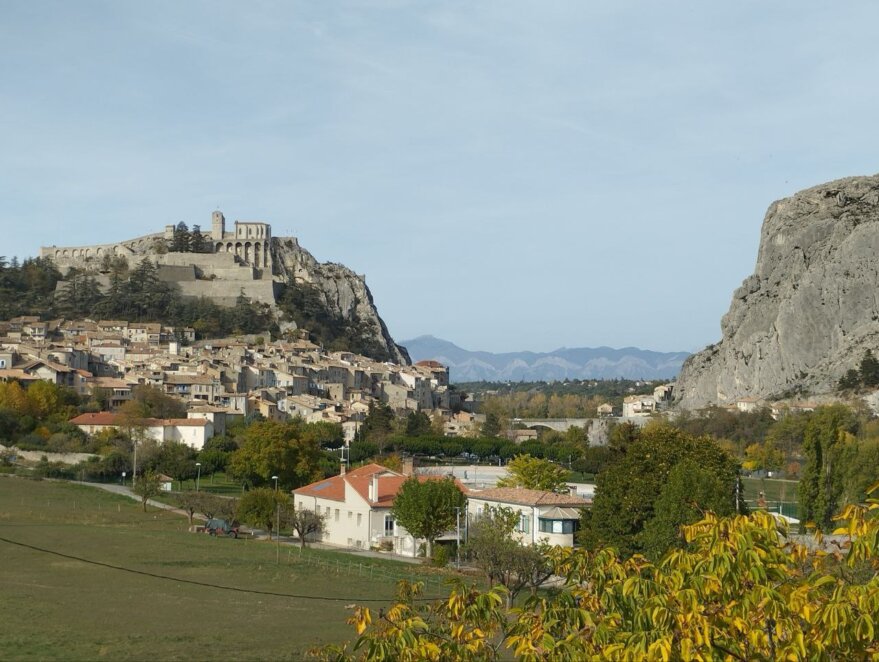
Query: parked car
pixel 221 527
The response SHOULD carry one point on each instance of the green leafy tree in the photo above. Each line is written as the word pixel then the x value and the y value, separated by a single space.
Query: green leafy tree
pixel 534 474
pixel 418 424
pixel 628 490
pixel 869 370
pixel 259 507
pixel 271 448
pixel 176 459
pixel 147 487
pixel 686 497
pixel 492 425
pixel 182 240
pixel 197 241
pixel 427 509
pixel 821 482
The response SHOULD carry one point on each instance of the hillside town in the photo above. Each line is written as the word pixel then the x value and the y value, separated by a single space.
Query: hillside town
pixel 217 379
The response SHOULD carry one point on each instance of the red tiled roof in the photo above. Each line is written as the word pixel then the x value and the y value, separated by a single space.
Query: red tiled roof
pixel 96 418
pixel 430 364
pixel 360 479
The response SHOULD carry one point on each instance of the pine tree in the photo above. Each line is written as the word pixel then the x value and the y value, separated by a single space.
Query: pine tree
pixel 181 243
pixel 869 371
pixel 197 241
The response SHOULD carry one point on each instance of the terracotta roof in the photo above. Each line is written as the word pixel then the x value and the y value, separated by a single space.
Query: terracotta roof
pixel 96 418
pixel 430 364
pixel 359 479
pixel 330 488
pixel 525 497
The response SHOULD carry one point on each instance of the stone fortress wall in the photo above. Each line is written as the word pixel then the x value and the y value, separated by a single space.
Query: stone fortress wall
pixel 240 262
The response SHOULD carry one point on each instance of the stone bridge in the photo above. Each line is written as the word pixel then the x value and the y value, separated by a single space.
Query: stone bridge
pixel 557 424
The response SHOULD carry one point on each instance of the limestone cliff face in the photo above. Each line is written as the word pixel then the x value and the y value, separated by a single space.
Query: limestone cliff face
pixel 810 309
pixel 343 292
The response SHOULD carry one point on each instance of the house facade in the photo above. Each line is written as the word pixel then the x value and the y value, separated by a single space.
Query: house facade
pixel 543 516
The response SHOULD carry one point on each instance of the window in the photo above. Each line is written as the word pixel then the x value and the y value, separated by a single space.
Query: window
pixel 389 525
pixel 359 518
pixel 327 511
pixel 350 514
pixel 336 515
pixel 558 525
pixel 524 525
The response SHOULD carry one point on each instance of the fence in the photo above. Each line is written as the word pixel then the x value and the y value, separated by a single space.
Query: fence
pixel 433 584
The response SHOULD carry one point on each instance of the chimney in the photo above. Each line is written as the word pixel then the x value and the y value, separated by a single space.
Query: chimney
pixel 373 488
pixel 408 465
pixel 342 472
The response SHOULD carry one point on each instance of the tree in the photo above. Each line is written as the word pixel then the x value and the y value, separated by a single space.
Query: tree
pixel 259 507
pixel 427 509
pixel 740 589
pixel 869 370
pixel 192 503
pixel 418 424
pixel 821 483
pixel 197 241
pixel 492 425
pixel 378 424
pixel 176 459
pixel 270 448
pixel 534 474
pixel 493 548
pixel 147 486
pixel 153 403
pixel 627 491
pixel 304 522
pixel 181 243
pixel 686 497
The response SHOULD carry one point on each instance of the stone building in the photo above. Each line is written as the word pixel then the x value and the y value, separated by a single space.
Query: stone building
pixel 249 243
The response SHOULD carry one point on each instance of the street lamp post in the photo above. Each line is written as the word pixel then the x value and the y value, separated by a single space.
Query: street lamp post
pixel 198 475
pixel 458 537
pixel 277 524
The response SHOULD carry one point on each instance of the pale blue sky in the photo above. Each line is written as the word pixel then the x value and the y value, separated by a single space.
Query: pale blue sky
pixel 508 175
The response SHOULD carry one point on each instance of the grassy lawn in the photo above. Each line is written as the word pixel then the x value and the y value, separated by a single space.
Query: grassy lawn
pixel 217 483
pixel 55 607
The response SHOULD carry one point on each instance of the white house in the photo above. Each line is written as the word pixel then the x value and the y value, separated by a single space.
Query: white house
pixel 193 432
pixel 543 516
pixel 357 506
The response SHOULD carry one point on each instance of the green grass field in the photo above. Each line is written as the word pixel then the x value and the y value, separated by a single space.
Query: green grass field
pixel 55 607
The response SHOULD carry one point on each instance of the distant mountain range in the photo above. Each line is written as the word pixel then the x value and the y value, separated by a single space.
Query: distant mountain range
pixel 576 363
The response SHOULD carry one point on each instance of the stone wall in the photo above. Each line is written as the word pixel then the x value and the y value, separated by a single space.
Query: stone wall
pixel 36 456
pixel 226 292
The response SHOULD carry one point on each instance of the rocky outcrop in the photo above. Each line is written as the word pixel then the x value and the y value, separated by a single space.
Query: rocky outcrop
pixel 343 292
pixel 810 309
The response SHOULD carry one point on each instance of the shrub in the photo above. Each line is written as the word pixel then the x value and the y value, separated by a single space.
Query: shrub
pixel 440 556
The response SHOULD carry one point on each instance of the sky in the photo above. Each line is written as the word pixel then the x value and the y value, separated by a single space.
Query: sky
pixel 508 175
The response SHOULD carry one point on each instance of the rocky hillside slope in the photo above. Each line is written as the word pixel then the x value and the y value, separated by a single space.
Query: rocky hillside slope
pixel 342 294
pixel 571 363
pixel 810 309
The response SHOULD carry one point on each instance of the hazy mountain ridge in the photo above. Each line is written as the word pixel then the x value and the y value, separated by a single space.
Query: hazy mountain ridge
pixel 570 363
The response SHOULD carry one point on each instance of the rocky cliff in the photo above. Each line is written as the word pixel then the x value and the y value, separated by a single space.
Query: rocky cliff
pixel 343 295
pixel 810 309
